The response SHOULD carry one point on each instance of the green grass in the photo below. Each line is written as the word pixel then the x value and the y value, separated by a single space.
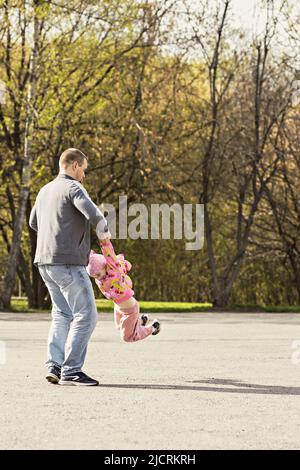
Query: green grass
pixel 157 307
pixel 282 308
pixel 240 308
pixel 21 305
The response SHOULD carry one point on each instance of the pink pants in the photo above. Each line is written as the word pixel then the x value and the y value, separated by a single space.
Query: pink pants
pixel 128 322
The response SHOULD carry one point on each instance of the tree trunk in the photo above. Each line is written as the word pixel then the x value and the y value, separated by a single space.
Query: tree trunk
pixel 24 276
pixel 10 275
pixel 221 299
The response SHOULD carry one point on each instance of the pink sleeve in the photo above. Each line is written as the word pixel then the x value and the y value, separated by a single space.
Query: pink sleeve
pixel 109 254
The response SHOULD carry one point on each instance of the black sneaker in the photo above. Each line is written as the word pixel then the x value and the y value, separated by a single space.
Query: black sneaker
pixel 53 374
pixel 78 378
pixel 156 326
pixel 144 319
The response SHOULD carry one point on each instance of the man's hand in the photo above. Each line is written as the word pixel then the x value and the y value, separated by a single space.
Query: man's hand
pixel 102 230
pixel 105 236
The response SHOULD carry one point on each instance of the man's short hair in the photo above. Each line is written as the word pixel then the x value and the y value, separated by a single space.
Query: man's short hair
pixel 71 155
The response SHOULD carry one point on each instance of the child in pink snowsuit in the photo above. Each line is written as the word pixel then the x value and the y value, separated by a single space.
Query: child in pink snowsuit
pixel 110 273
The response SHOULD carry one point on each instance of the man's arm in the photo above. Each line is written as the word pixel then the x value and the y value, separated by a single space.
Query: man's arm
pixel 33 219
pixel 81 200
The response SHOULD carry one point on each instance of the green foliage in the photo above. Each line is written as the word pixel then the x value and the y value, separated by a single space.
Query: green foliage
pixel 144 117
pixel 21 305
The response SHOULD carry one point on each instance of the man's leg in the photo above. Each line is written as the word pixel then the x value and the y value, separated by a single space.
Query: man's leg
pixel 61 319
pixel 80 298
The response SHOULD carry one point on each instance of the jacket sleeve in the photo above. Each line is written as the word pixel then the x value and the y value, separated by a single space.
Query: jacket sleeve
pixel 109 254
pixel 81 200
pixel 33 219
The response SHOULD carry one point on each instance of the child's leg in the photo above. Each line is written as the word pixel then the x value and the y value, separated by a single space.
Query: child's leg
pixel 119 308
pixel 128 303
pixel 130 328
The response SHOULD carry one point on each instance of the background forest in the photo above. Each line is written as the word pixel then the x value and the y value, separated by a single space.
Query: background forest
pixel 172 102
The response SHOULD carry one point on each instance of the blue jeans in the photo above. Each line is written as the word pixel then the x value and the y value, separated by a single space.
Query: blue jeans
pixel 74 315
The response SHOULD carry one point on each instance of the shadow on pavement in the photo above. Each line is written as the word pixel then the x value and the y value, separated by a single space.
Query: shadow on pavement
pixel 243 387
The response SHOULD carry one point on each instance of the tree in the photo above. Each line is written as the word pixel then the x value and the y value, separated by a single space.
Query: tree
pixel 9 278
pixel 240 155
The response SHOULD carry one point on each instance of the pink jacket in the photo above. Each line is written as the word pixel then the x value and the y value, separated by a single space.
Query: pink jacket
pixel 116 285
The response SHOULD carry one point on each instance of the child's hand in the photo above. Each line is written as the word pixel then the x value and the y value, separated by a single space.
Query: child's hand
pixel 104 237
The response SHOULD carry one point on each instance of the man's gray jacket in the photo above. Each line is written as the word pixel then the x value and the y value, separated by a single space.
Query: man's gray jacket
pixel 61 215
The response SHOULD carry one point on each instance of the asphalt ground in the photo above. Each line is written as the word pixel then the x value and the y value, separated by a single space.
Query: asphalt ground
pixel 207 381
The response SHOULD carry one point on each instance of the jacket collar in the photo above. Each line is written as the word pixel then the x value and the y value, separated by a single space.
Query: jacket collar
pixel 63 175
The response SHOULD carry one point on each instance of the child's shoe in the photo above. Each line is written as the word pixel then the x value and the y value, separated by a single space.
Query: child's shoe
pixel 155 327
pixel 144 319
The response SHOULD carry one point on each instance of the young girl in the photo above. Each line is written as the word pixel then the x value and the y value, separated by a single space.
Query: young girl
pixel 110 273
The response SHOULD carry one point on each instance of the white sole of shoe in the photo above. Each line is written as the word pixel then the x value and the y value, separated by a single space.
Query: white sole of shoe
pixel 68 383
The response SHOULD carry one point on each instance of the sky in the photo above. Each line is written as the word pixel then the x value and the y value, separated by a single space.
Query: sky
pixel 249 15
pixel 246 14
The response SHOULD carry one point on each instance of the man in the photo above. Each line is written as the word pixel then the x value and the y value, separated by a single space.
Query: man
pixel 61 215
